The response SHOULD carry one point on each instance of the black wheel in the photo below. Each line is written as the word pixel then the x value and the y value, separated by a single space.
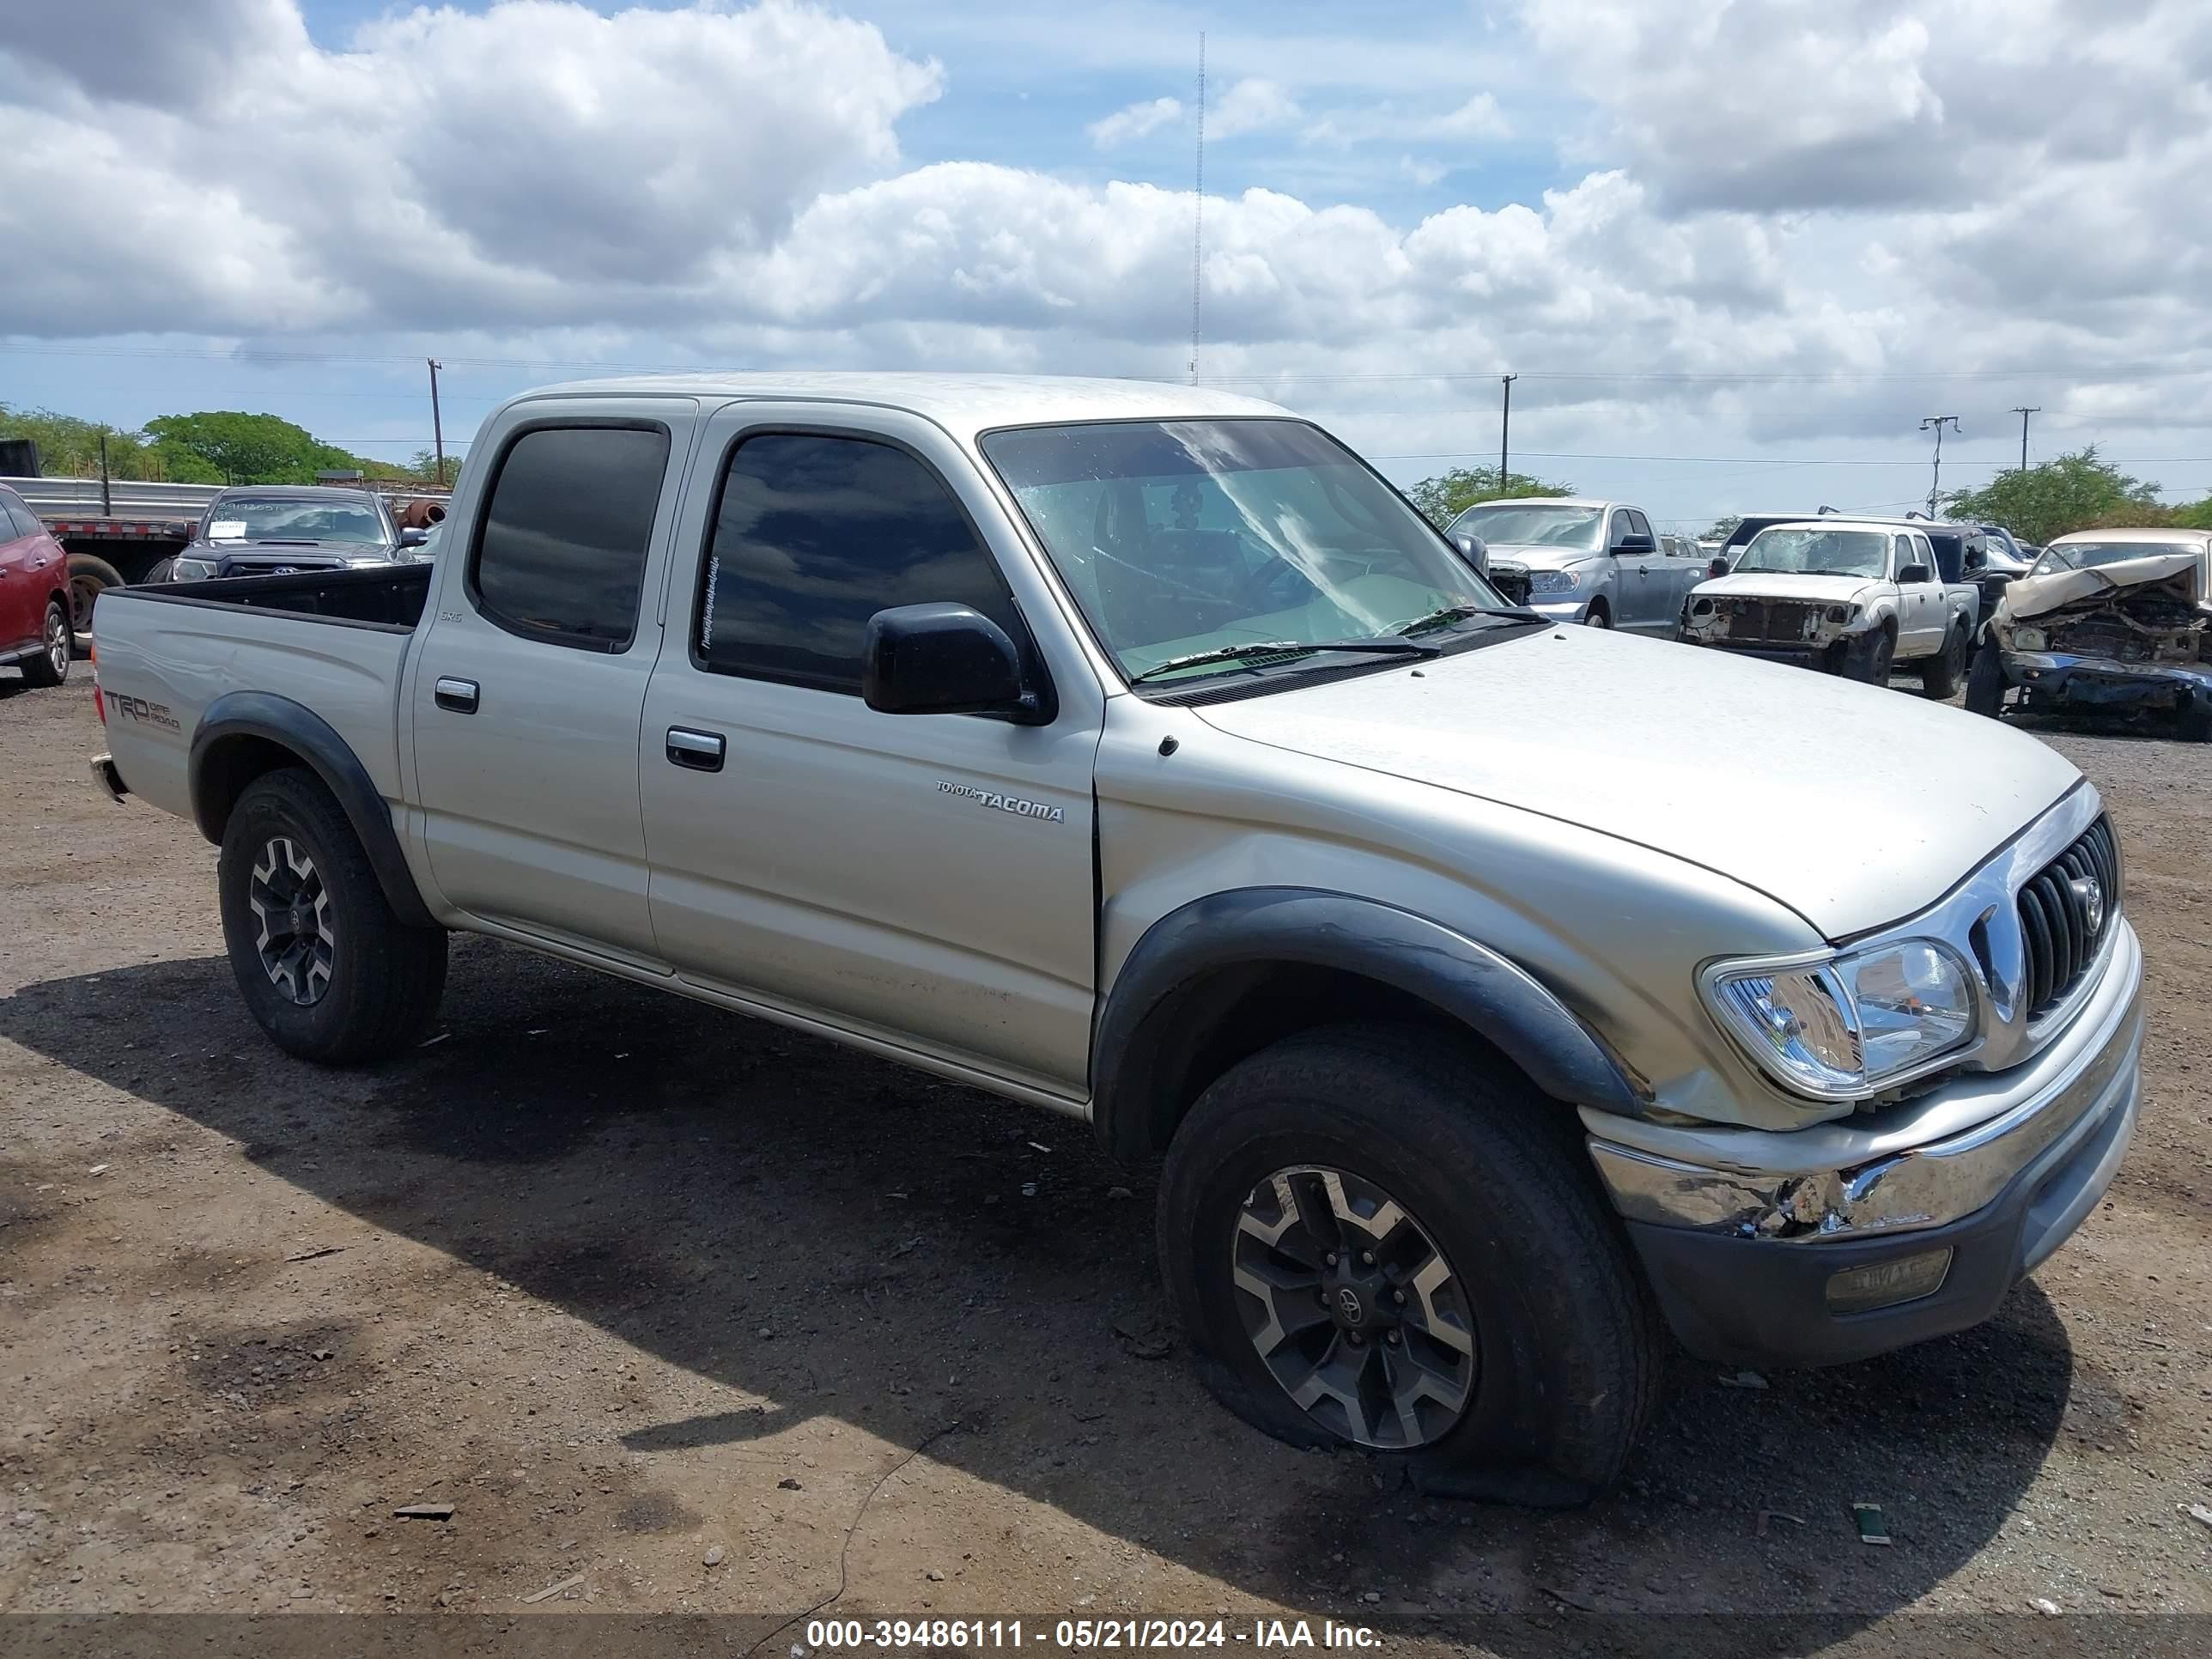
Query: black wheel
pixel 1877 656
pixel 1941 674
pixel 1986 683
pixel 57 647
pixel 326 968
pixel 2196 721
pixel 1375 1237
pixel 1597 616
pixel 89 578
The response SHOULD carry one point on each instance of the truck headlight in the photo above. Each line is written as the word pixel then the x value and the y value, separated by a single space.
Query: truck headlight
pixel 1839 1027
pixel 192 570
pixel 2029 639
pixel 1554 581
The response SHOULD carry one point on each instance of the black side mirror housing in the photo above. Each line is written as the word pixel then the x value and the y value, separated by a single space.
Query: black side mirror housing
pixel 1913 573
pixel 1473 550
pixel 412 537
pixel 942 659
pixel 1633 543
pixel 1719 565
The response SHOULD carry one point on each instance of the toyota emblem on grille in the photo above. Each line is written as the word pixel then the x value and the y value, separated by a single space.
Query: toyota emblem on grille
pixel 2091 892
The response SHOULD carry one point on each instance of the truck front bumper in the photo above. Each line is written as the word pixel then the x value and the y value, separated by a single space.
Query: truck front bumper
pixel 1848 1239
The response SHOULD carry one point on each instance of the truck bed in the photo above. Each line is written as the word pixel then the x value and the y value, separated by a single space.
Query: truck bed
pixel 332 642
pixel 387 596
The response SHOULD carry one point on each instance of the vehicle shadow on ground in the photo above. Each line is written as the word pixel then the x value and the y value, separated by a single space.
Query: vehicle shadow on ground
pixel 691 1181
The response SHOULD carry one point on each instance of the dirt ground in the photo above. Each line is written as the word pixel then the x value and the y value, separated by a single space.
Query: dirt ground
pixel 694 1316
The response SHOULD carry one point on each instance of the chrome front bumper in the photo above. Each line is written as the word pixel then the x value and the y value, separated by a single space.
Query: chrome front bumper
pixel 1923 1163
pixel 1848 1239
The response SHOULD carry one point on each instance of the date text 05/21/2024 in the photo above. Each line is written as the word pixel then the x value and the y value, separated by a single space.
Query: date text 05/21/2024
pixel 1263 1635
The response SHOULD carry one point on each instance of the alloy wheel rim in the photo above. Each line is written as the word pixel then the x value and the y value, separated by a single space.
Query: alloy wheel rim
pixel 1353 1308
pixel 60 642
pixel 297 942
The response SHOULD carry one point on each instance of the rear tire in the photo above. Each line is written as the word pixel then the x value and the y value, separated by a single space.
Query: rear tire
pixel 1543 1402
pixel 326 968
pixel 1986 683
pixel 1941 674
pixel 57 647
pixel 88 578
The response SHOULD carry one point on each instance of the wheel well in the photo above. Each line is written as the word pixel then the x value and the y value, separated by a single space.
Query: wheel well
pixel 229 766
pixel 1212 1023
pixel 1597 604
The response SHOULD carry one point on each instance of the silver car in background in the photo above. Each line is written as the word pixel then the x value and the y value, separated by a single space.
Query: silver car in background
pixel 1583 560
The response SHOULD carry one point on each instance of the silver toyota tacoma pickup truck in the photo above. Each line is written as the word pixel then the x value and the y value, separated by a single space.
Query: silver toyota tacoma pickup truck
pixel 1137 752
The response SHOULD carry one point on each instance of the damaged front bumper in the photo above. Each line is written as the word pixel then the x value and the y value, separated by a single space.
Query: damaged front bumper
pixel 2060 679
pixel 1779 631
pixel 1849 1238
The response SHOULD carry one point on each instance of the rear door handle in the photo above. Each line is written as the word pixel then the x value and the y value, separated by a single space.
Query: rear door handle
pixel 459 696
pixel 702 751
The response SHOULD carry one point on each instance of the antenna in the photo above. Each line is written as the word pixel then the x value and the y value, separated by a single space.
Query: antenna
pixel 1198 215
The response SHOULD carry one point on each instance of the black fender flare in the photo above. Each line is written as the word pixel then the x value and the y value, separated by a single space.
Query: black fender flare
pixel 1459 976
pixel 300 730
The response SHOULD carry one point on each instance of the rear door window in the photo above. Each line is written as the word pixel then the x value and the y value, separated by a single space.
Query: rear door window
pixel 560 556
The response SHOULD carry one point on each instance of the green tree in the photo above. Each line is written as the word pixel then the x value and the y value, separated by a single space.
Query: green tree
pixel 1723 527
pixel 422 467
pixel 2070 492
pixel 246 448
pixel 69 448
pixel 2198 515
pixel 1444 498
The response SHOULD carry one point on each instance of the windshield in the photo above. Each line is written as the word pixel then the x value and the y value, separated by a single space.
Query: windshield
pixel 1509 523
pixel 1806 552
pixel 273 519
pixel 2088 556
pixel 1181 538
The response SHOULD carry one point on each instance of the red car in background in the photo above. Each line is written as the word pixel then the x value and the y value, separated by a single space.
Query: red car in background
pixel 35 607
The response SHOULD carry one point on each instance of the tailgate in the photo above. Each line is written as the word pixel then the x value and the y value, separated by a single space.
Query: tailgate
pixel 163 659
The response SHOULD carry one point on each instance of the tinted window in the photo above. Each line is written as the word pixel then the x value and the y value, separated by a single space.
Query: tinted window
pixel 814 535
pixel 1638 524
pixel 562 554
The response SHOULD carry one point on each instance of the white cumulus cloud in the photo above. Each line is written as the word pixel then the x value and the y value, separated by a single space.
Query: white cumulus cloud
pixel 1136 121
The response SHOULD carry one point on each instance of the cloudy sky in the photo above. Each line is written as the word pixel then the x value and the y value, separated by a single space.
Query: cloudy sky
pixel 1735 252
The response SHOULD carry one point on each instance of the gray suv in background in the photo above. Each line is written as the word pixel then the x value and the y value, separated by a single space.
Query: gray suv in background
pixel 1573 560
pixel 272 530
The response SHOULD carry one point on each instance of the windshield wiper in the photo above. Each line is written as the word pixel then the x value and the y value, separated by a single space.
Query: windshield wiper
pixel 1452 613
pixel 1392 646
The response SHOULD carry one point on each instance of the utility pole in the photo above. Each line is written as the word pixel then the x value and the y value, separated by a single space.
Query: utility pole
pixel 106 502
pixel 1938 422
pixel 2024 411
pixel 1505 427
pixel 437 426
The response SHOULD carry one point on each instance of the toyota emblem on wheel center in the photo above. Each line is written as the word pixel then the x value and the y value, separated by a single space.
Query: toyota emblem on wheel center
pixel 1347 1304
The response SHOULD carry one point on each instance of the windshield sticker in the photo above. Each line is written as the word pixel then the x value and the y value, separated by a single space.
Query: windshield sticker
pixel 227 530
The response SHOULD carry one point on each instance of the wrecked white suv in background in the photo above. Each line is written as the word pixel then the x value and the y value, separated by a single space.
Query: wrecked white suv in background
pixel 1853 597
pixel 2108 621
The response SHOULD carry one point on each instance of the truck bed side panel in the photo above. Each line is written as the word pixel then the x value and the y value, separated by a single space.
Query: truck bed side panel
pixel 162 663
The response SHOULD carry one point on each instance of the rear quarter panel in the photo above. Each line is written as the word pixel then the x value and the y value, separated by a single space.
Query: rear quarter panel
pixel 163 660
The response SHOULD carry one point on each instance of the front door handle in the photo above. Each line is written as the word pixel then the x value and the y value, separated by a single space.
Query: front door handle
pixel 459 696
pixel 702 751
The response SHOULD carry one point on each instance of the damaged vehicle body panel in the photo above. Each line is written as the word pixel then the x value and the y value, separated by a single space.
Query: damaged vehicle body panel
pixel 2111 621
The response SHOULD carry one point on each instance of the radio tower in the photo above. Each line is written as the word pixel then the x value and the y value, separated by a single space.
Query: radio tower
pixel 1198 215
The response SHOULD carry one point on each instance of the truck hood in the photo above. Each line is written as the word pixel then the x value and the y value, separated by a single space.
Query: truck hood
pixel 2032 596
pixel 1783 585
pixel 1852 805
pixel 1540 555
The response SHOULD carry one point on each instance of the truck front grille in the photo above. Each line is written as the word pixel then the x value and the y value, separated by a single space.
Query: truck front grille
pixel 2056 914
pixel 1511 580
pixel 1761 619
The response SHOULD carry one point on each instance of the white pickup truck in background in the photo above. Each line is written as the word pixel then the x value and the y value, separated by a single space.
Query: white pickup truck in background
pixel 1136 752
pixel 1853 597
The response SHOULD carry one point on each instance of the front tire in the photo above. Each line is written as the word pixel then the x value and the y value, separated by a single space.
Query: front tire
pixel 56 647
pixel 1877 657
pixel 1500 1344
pixel 1986 683
pixel 326 967
pixel 1597 616
pixel 1941 674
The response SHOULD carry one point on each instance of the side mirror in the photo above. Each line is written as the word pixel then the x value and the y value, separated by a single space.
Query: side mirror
pixel 1911 573
pixel 1473 550
pixel 412 537
pixel 1633 543
pixel 941 659
pixel 1719 565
